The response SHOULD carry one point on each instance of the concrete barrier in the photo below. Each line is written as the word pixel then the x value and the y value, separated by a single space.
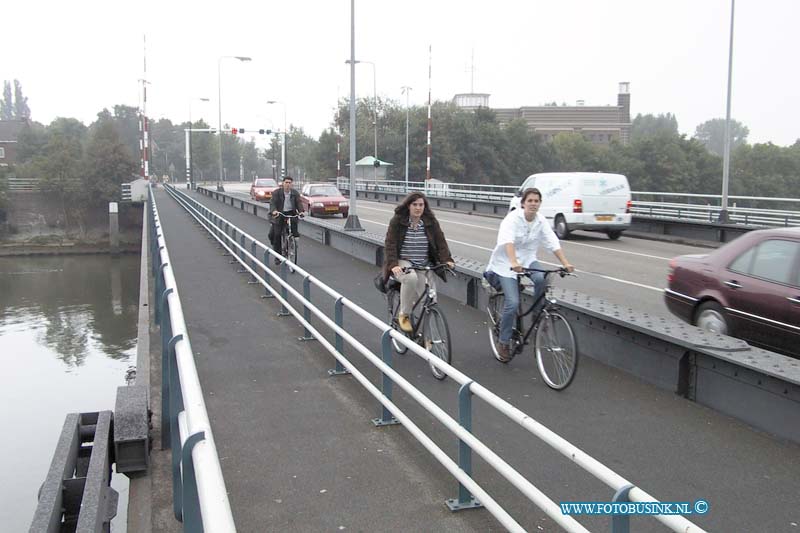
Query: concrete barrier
pixel 758 387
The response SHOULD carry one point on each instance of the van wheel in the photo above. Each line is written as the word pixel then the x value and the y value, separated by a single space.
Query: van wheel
pixel 562 231
pixel 614 234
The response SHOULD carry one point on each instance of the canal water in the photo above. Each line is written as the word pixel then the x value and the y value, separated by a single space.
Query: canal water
pixel 67 338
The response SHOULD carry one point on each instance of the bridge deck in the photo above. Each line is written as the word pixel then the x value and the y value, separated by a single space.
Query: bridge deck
pixel 299 452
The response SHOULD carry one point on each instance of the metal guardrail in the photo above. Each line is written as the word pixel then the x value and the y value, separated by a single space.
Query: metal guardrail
pixel 244 248
pixel 707 207
pixel 76 495
pixel 200 499
pixel 16 184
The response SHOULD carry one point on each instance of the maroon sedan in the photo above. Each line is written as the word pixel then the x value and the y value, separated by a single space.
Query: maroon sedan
pixel 324 199
pixel 261 189
pixel 748 288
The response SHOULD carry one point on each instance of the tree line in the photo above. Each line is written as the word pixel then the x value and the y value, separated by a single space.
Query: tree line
pixel 84 166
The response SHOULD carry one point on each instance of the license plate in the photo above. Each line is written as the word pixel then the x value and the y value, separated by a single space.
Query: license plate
pixel 604 218
pixel 331 209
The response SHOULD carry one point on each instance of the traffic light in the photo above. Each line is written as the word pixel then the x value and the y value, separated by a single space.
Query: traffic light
pixel 261 131
pixel 241 130
pixel 234 131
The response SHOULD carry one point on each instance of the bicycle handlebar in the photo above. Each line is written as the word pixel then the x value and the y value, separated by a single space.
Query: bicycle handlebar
pixel 299 215
pixel 560 271
pixel 434 267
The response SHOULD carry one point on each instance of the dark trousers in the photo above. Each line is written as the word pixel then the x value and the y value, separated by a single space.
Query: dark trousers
pixel 276 230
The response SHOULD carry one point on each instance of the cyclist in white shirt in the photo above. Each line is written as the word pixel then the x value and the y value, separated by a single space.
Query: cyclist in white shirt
pixel 521 234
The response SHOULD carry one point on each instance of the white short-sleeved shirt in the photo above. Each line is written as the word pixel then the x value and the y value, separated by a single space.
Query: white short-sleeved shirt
pixel 526 236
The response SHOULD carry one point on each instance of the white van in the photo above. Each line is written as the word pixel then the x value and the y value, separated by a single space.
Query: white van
pixel 592 201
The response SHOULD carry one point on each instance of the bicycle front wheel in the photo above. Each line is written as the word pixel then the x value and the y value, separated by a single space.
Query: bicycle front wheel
pixel 436 339
pixel 556 350
pixel 291 250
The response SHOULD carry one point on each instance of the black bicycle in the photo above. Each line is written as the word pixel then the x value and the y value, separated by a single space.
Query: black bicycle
pixel 555 347
pixel 429 326
pixel 288 240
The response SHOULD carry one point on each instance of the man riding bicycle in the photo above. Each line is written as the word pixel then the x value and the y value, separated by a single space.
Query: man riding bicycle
pixel 284 200
pixel 521 234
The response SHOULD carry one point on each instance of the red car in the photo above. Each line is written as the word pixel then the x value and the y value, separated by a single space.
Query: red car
pixel 261 189
pixel 324 199
pixel 748 288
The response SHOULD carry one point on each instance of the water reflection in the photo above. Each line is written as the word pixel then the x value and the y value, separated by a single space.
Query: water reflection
pixel 73 301
pixel 67 336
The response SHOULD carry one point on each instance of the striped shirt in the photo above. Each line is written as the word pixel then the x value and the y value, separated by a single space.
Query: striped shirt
pixel 415 245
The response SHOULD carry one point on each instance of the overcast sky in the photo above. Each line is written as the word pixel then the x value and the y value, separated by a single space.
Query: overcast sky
pixel 74 58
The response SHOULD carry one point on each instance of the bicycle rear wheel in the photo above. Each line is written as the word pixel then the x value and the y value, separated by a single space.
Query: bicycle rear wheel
pixel 436 338
pixel 393 299
pixel 495 312
pixel 556 350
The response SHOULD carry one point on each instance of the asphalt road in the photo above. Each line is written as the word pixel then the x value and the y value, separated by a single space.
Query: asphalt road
pixel 630 271
pixel 671 447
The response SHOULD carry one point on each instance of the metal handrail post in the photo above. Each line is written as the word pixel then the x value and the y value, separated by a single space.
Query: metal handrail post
pixel 166 336
pixel 338 318
pixel 386 419
pixel 191 517
pixel 266 294
pixel 621 523
pixel 307 336
pixel 465 499
pixel 252 262
pixel 284 293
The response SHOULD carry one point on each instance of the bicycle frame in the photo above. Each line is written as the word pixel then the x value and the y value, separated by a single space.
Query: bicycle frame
pixel 542 312
pixel 428 296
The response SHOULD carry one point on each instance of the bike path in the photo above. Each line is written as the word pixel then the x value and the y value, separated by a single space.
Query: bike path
pixel 672 448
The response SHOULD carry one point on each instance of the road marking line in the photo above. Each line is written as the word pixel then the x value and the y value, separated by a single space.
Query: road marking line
pixel 610 278
pixel 571 243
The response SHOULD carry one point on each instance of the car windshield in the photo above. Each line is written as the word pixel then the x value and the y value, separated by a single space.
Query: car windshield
pixel 266 183
pixel 324 190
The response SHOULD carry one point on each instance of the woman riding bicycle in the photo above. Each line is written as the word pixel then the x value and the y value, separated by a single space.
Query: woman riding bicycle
pixel 414 238
pixel 521 233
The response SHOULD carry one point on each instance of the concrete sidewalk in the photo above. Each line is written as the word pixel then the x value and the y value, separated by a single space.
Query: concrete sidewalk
pixel 297 448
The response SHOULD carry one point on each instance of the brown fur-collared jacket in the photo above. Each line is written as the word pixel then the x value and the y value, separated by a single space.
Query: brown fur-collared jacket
pixel 438 251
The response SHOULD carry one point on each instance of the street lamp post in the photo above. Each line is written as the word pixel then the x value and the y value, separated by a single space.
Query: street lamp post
pixel 352 223
pixel 283 145
pixel 406 89
pixel 189 158
pixel 219 108
pixel 726 158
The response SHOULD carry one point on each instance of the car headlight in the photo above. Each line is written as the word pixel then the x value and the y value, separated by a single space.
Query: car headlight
pixel 318 204
pixel 260 193
pixel 343 204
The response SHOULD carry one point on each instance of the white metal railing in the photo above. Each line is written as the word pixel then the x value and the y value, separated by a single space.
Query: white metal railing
pixel 234 240
pixel 186 424
pixel 699 207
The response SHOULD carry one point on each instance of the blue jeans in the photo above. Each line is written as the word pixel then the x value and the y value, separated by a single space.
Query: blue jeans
pixel 511 300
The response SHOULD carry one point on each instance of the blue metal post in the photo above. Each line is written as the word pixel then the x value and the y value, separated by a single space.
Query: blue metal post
pixel 386 418
pixel 465 499
pixel 267 277
pixel 621 523
pixel 253 262
pixel 307 336
pixel 192 519
pixel 166 335
pixel 338 317
pixel 284 292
